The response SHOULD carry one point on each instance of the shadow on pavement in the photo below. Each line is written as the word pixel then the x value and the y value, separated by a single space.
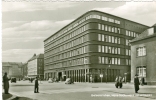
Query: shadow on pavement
pixel 23 98
pixel 6 96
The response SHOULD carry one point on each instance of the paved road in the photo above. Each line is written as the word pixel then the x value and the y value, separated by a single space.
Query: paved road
pixel 81 91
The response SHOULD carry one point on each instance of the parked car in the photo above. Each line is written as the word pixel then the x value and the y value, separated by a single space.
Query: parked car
pixel 69 81
pixel 13 79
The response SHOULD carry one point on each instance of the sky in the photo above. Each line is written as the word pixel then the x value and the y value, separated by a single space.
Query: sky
pixel 25 25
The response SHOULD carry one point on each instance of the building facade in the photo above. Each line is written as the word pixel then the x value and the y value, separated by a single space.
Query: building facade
pixel 144 56
pixel 95 44
pixel 25 70
pixel 35 66
pixel 13 69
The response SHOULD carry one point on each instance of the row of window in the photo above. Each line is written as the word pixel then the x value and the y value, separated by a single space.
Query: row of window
pixel 81 21
pixel 68 54
pixel 109 49
pixel 132 34
pixel 141 51
pixel 74 62
pixel 68 45
pixel 103 18
pixel 68 36
pixel 108 38
pixel 108 28
pixel 109 60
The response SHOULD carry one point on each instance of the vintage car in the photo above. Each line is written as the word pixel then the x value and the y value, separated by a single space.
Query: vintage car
pixel 13 79
pixel 69 81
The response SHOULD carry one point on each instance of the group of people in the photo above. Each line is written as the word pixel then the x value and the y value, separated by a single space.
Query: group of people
pixel 119 80
pixel 6 84
pixel 118 83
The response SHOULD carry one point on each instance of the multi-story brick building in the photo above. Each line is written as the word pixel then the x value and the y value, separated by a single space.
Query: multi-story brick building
pixel 144 56
pixel 35 66
pixel 94 44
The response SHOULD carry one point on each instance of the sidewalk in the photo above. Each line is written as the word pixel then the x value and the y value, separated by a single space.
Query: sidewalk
pixel 13 97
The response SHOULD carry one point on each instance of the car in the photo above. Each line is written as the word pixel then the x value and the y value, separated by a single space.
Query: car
pixel 13 79
pixel 69 81
pixel 50 80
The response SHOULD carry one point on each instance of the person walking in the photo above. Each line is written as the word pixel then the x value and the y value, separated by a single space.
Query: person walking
pixel 6 83
pixel 116 81
pixel 136 83
pixel 36 90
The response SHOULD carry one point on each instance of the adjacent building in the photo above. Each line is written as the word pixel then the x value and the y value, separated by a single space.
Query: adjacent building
pixel 25 70
pixel 13 69
pixel 95 45
pixel 143 56
pixel 35 66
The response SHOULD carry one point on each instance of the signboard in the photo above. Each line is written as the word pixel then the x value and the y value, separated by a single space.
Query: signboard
pixel 101 75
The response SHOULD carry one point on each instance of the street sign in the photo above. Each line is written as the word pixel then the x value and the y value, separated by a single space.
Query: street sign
pixel 101 75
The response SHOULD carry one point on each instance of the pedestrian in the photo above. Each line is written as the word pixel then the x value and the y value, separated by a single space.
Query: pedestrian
pixel 36 90
pixel 91 79
pixel 116 81
pixel 136 83
pixel 6 83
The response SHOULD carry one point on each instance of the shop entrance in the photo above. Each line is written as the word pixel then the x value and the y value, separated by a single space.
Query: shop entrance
pixel 60 76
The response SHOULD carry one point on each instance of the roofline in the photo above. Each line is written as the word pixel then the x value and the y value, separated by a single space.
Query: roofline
pixel 35 58
pixel 151 36
pixel 87 13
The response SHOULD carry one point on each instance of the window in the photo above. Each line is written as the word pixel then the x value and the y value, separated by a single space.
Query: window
pixel 99 26
pixel 103 27
pixel 118 50
pixel 99 48
pixel 109 38
pixel 99 37
pixel 118 40
pixel 141 71
pixel 103 60
pixel 112 39
pixel 118 61
pixel 103 48
pixel 106 49
pixel 103 38
pixel 141 51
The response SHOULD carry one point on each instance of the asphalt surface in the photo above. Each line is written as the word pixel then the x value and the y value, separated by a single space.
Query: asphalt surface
pixel 81 91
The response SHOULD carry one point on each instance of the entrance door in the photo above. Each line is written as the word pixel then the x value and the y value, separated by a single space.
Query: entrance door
pixel 60 76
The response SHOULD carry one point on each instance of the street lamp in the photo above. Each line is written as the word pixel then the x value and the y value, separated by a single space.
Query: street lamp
pixel 106 72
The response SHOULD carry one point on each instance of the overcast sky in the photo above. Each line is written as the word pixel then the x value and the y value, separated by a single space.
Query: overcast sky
pixel 26 25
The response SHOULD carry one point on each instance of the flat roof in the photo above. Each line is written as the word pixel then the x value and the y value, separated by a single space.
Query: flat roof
pixel 87 13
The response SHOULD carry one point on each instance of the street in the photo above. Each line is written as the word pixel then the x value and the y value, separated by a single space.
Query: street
pixel 81 91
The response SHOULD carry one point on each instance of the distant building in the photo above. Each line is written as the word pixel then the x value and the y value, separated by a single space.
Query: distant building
pixel 143 50
pixel 36 66
pixel 95 44
pixel 25 70
pixel 13 69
